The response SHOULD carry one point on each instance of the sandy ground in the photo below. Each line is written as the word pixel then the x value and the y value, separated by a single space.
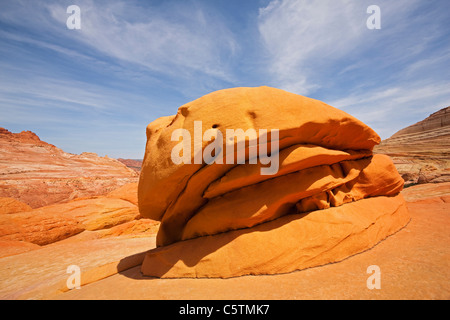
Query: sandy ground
pixel 414 263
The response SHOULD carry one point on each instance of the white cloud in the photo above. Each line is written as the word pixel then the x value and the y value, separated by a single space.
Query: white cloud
pixel 298 34
pixel 172 40
pixel 388 78
pixel 388 110
pixel 319 47
pixel 304 38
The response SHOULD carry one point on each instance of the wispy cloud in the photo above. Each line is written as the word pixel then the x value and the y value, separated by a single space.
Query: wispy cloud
pixel 96 89
pixel 170 39
pixel 388 78
pixel 299 35
pixel 387 110
pixel 308 41
pixel 130 63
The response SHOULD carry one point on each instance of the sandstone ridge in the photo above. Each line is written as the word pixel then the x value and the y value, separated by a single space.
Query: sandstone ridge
pixel 116 214
pixel 39 174
pixel 421 152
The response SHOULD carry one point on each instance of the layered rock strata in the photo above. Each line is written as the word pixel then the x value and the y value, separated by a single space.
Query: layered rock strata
pixel 421 152
pixel 113 215
pixel 40 174
pixel 329 197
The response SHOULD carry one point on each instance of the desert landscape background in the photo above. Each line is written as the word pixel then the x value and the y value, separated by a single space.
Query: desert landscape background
pixel 355 95
pixel 59 209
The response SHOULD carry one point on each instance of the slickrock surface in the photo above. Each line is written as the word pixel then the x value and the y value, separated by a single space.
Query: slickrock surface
pixel 429 190
pixel 12 247
pixel 42 273
pixel 414 264
pixel 421 152
pixel 11 205
pixel 39 174
pixel 56 222
pixel 115 214
pixel 126 192
pixel 329 199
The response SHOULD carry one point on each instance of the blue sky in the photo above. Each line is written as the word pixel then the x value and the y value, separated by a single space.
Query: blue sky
pixel 97 88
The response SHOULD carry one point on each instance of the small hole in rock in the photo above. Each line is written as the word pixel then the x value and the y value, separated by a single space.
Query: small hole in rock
pixel 184 111
pixel 252 114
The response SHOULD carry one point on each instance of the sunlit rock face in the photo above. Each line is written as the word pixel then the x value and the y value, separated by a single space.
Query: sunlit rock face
pixel 303 190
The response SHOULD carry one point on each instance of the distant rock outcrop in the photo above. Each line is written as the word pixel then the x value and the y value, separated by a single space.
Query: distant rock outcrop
pixel 39 174
pixel 134 164
pixel 421 152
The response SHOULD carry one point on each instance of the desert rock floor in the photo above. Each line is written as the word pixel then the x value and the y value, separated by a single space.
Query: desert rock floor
pixel 414 264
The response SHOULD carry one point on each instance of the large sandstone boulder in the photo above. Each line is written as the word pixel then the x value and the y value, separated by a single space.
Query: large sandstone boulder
pixel 328 198
pixel 292 242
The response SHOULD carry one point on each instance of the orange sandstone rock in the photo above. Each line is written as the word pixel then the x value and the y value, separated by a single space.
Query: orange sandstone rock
pixel 11 248
pixel 40 174
pixel 326 170
pixel 299 120
pixel 38 226
pixel 339 183
pixel 11 205
pixel 295 158
pixel 413 263
pixel 292 242
pixel 57 222
pixel 126 192
pixel 421 152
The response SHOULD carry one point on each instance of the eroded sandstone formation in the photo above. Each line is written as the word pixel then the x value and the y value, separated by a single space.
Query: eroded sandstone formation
pixel 330 197
pixel 39 174
pixel 115 214
pixel 421 152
